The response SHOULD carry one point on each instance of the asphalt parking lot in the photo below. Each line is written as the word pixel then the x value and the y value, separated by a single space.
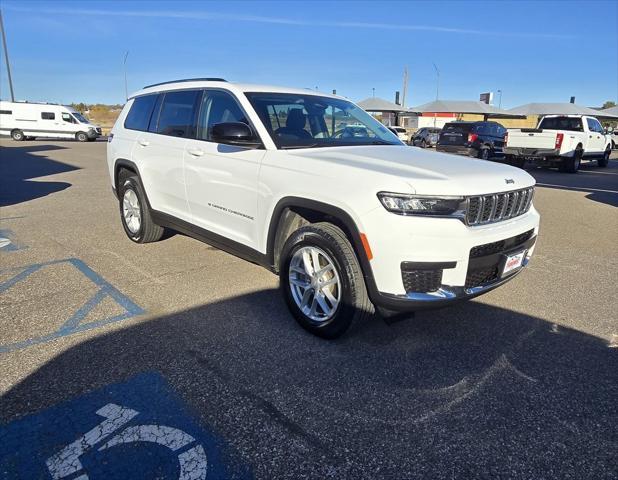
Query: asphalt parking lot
pixel 519 383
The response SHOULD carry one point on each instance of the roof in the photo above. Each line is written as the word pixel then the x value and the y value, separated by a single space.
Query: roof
pixel 376 104
pixel 559 109
pixel 610 110
pixel 463 106
pixel 233 86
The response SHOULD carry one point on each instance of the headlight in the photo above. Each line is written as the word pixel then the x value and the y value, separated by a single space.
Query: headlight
pixel 404 204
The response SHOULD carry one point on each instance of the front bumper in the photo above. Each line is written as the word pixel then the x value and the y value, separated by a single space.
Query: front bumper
pixel 94 133
pixel 457 150
pixel 448 243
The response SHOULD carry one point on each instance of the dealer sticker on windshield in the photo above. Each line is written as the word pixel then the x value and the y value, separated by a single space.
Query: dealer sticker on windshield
pixel 513 262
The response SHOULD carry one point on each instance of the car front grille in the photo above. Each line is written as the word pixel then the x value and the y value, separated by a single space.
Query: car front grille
pixel 481 276
pixel 485 209
pixel 501 245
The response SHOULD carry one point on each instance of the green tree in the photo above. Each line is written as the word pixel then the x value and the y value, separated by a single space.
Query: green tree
pixel 609 104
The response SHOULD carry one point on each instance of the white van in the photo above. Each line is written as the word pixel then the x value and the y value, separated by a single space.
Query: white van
pixel 26 121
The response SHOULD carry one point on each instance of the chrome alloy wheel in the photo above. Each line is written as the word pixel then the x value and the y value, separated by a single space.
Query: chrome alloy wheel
pixel 131 211
pixel 314 283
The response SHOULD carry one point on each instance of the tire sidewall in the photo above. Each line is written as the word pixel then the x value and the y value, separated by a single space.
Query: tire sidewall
pixel 81 137
pixel 19 134
pixel 132 184
pixel 341 320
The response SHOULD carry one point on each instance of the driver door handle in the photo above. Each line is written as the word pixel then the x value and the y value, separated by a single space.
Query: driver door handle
pixel 144 143
pixel 196 152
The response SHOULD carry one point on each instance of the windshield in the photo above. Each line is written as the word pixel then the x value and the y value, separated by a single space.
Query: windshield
pixel 80 117
pixel 309 121
pixel 572 124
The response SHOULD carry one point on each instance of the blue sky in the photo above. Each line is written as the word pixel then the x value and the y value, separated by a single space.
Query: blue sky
pixel 532 51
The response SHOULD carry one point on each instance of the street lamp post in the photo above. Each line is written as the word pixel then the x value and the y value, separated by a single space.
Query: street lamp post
pixel 6 57
pixel 437 90
pixel 124 63
pixel 500 99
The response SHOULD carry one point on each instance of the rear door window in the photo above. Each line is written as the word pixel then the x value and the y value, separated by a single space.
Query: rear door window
pixel 178 113
pixel 48 116
pixel 141 110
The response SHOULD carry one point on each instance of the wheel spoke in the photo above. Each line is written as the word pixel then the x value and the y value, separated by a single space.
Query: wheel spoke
pixel 323 270
pixel 299 282
pixel 316 261
pixel 314 305
pixel 305 300
pixel 322 302
pixel 307 263
pixel 331 298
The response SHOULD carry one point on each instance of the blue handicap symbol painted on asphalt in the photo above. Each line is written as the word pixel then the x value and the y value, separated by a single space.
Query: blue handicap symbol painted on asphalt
pixel 8 241
pixel 136 429
pixel 73 324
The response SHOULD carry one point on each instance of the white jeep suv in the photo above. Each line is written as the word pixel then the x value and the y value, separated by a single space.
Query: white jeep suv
pixel 349 222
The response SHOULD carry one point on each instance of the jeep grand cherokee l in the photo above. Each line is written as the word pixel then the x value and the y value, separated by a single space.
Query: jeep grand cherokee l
pixel 349 222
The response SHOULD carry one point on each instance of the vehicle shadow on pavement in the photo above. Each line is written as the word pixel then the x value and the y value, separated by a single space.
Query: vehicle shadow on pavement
pixel 473 391
pixel 19 165
pixel 601 184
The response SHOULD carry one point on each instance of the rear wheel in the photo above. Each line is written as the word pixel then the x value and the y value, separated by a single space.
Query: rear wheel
pixel 423 143
pixel 134 212
pixel 321 280
pixel 17 135
pixel 571 164
pixel 604 161
pixel 81 137
pixel 485 153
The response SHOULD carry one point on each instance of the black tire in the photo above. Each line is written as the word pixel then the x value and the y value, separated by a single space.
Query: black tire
pixel 354 305
pixel 571 164
pixel 604 161
pixel 423 143
pixel 18 135
pixel 515 161
pixel 81 136
pixel 148 230
pixel 484 153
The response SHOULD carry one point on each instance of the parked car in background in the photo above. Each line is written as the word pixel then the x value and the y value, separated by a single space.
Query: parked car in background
pixel 401 133
pixel 613 135
pixel 559 141
pixel 474 139
pixel 426 137
pixel 26 121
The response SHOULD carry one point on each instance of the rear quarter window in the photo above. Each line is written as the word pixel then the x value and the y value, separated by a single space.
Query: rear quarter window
pixel 141 110
pixel 48 116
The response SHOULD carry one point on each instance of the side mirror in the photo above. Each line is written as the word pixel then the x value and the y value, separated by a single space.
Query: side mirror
pixel 234 133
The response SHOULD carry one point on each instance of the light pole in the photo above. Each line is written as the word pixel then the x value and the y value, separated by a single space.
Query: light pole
pixel 373 92
pixel 437 81
pixel 6 57
pixel 500 99
pixel 126 90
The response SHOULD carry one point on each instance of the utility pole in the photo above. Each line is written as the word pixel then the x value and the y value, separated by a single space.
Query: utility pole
pixel 6 57
pixel 500 99
pixel 437 81
pixel 404 91
pixel 373 92
pixel 126 90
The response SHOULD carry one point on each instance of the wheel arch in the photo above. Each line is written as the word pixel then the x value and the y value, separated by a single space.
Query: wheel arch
pixel 291 213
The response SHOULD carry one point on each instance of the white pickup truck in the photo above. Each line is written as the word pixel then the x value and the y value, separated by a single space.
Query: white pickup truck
pixel 559 141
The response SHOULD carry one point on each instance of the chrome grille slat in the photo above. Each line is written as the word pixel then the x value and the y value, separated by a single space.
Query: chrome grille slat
pixel 485 209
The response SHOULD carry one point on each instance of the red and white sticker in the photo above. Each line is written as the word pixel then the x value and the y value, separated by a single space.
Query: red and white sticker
pixel 513 262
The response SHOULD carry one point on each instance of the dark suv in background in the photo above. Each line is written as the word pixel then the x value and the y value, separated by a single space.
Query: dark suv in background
pixel 426 137
pixel 474 139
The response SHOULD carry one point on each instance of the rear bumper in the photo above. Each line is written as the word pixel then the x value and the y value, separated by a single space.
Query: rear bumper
pixel 531 152
pixel 457 150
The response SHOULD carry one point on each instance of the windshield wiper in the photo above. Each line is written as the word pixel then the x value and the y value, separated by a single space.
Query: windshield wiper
pixel 291 147
pixel 381 142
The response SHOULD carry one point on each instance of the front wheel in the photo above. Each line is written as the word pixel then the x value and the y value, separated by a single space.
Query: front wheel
pixel 81 137
pixel 322 282
pixel 604 161
pixel 423 143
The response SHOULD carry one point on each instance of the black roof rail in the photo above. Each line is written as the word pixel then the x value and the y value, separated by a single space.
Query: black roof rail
pixel 208 79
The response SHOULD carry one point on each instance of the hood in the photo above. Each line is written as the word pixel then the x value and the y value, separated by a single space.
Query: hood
pixel 425 171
